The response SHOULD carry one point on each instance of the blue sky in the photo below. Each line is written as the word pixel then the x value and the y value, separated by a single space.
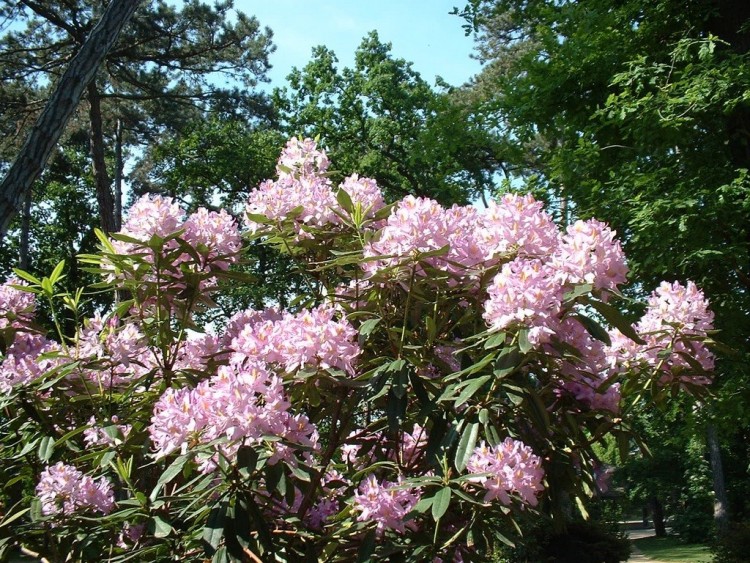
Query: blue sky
pixel 421 31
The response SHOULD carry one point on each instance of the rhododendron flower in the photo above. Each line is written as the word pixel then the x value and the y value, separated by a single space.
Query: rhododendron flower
pixel 310 339
pixel 587 374
pixel 152 215
pixel 23 363
pixel 214 236
pixel 412 445
pixel 16 306
pixel 513 469
pixel 242 403
pixel 589 253
pixel 524 293
pixel 113 354
pixel 386 503
pixel 301 157
pixel 420 225
pixel 95 435
pixel 365 192
pixel 301 188
pixel 311 198
pixel 518 225
pixel 676 321
pixel 64 490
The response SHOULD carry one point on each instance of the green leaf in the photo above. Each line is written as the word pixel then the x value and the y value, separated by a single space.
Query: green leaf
pixel 162 528
pixel 496 339
pixel 47 286
pixel 105 242
pixel 368 326
pixel 366 548
pixel 441 502
pixel 70 434
pixel 172 471
pixel 578 291
pixel 524 345
pixel 423 504
pixel 259 522
pixel 220 556
pixel 483 416
pixel 247 460
pixel 345 201
pixel 46 448
pixel 395 409
pixel 466 446
pixel 13 517
pixel 615 318
pixel 56 274
pixel 27 276
pixel 594 329
pixel 213 532
pixel 470 389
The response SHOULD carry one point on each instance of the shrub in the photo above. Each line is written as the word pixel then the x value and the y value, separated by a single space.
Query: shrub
pixel 436 388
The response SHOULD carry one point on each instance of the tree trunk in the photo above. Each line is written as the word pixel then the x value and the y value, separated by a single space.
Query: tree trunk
pixel 101 177
pixel 24 260
pixel 657 514
pixel 51 123
pixel 119 165
pixel 721 502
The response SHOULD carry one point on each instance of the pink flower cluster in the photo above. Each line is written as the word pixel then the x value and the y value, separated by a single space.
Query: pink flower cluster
pixel 511 468
pixel 114 434
pixel 529 290
pixel 304 193
pixel 28 355
pixel 113 354
pixel 528 293
pixel 676 322
pixel 301 158
pixel 214 236
pixel 589 253
pixel 310 339
pixel 365 193
pixel 246 400
pixel 385 503
pixel 64 490
pixel 420 225
pixel 16 306
pixel 515 227
pixel 23 362
pixel 242 403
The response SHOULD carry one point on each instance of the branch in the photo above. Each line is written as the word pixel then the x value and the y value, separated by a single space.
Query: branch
pixel 54 19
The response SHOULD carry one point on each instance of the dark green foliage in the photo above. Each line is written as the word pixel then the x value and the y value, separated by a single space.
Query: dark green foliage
pixel 580 542
pixel 734 546
pixel 695 524
pixel 213 163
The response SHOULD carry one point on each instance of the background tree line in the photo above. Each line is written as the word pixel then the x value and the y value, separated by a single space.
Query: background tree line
pixel 633 111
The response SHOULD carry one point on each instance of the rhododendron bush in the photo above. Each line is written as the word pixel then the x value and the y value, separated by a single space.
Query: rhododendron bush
pixel 441 380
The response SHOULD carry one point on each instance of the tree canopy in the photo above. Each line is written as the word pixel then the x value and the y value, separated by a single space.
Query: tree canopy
pixel 383 120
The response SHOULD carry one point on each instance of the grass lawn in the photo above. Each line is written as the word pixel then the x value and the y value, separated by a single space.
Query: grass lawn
pixel 671 549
